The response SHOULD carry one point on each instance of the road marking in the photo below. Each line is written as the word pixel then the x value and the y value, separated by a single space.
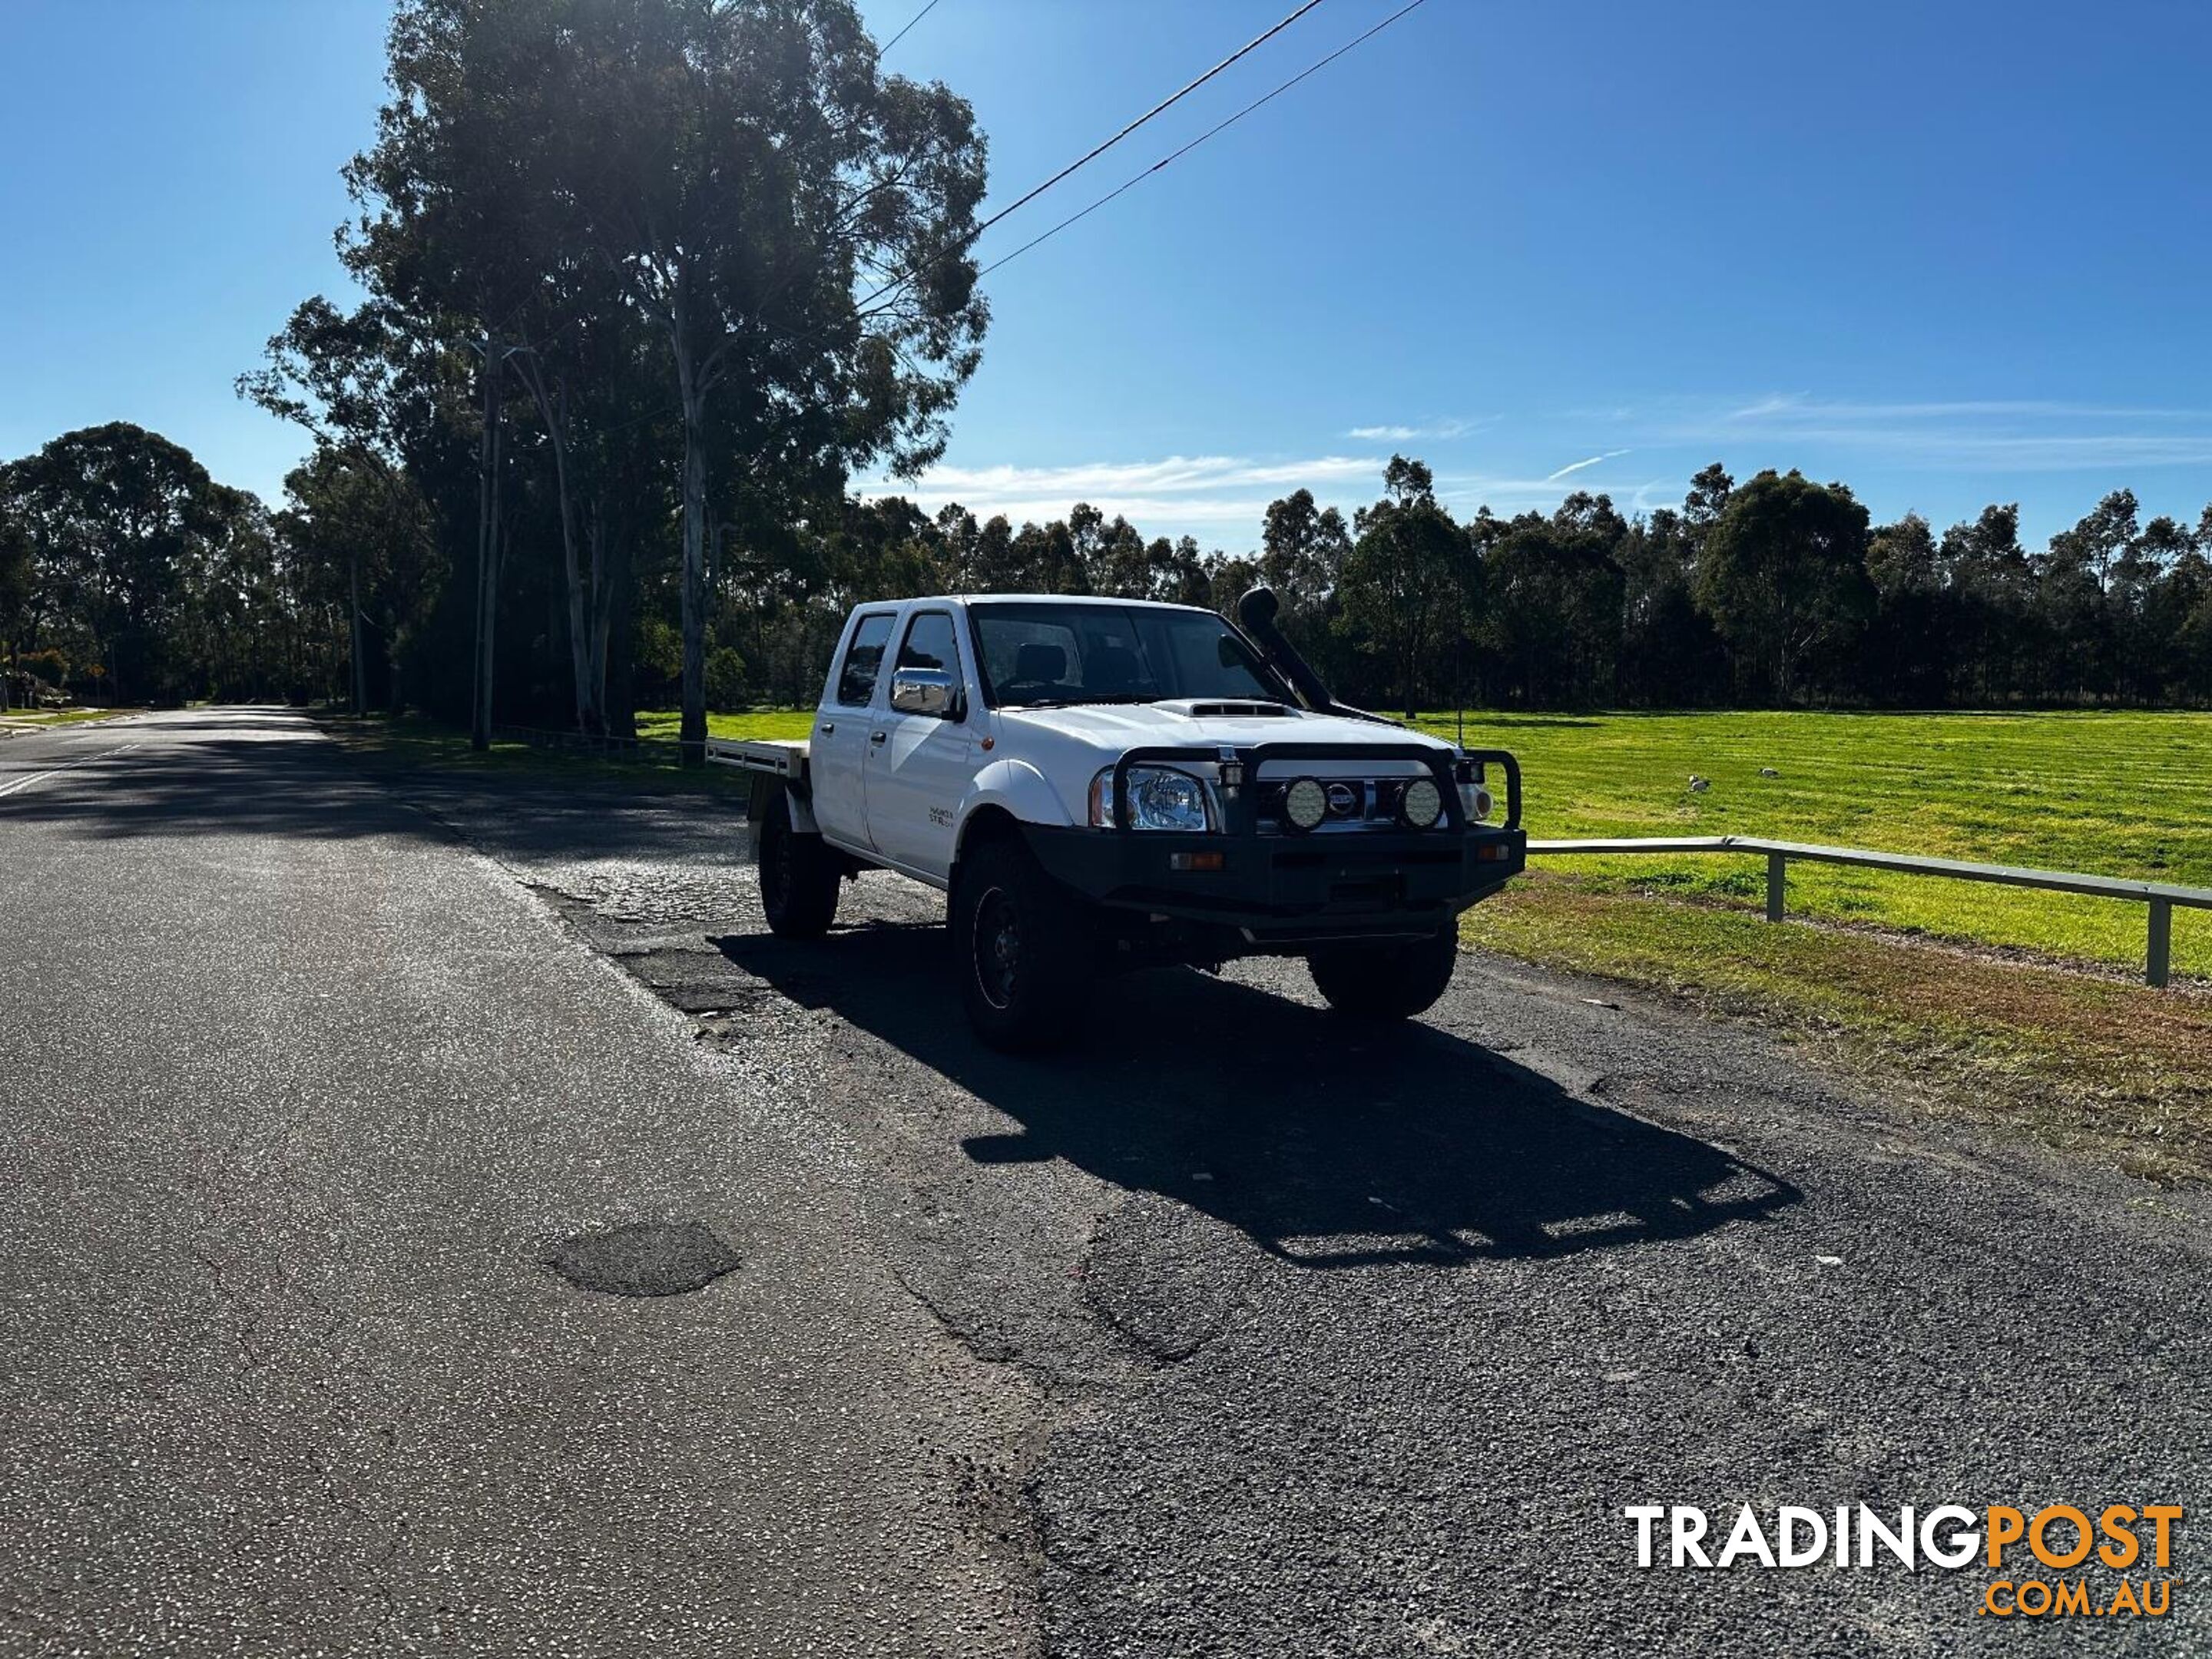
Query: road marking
pixel 21 784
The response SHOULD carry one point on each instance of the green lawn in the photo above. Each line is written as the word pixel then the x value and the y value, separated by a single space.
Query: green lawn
pixel 663 724
pixel 2119 794
pixel 54 716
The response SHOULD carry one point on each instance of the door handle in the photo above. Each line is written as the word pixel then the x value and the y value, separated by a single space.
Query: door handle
pixel 828 728
pixel 878 737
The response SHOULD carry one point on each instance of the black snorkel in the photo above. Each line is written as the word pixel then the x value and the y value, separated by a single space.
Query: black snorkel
pixel 1256 611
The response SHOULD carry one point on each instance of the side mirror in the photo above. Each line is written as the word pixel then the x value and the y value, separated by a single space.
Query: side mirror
pixel 925 691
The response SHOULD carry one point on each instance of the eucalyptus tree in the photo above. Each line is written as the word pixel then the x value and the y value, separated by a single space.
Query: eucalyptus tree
pixel 1304 547
pixel 452 196
pixel 365 538
pixel 14 581
pixel 1405 573
pixel 792 224
pixel 368 386
pixel 1555 601
pixel 796 224
pixel 592 376
pixel 117 519
pixel 1783 574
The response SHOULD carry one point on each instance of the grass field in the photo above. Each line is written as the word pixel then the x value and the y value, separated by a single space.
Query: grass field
pixel 2119 794
pixel 663 724
pixel 41 717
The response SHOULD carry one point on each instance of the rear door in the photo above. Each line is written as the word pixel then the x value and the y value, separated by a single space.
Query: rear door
pixel 837 758
pixel 920 769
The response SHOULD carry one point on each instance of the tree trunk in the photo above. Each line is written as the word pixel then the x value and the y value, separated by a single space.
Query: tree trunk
pixel 552 413
pixel 619 700
pixel 692 734
pixel 352 618
pixel 605 576
pixel 487 450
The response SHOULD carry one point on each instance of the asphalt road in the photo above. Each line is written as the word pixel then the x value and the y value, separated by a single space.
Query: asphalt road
pixel 1228 1334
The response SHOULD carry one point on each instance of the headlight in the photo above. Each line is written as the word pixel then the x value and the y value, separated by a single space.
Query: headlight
pixel 1420 804
pixel 1160 798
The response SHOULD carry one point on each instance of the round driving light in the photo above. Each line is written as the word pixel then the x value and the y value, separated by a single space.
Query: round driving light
pixel 1305 803
pixel 1422 804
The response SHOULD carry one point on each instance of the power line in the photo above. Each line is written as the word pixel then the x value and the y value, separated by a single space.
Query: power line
pixel 1178 155
pixel 1091 155
pixel 1172 156
pixel 886 46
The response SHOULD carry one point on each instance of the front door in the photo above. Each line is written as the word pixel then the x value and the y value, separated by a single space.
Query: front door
pixel 839 752
pixel 919 770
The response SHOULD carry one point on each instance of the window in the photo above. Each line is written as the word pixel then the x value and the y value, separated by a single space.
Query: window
pixel 1027 651
pixel 929 644
pixel 1038 653
pixel 856 680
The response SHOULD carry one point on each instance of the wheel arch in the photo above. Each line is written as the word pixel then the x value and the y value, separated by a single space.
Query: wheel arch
pixel 990 821
pixel 1007 795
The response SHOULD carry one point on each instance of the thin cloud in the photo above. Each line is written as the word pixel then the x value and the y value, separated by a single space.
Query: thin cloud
pixel 1794 406
pixel 1463 492
pixel 1780 404
pixel 1989 435
pixel 1397 435
pixel 1172 474
pixel 1577 466
pixel 1921 448
pixel 1169 496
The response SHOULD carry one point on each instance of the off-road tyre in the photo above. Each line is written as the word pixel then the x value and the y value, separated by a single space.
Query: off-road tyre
pixel 1022 947
pixel 799 875
pixel 1384 982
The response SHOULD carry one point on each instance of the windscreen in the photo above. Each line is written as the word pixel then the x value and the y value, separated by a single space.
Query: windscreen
pixel 1039 654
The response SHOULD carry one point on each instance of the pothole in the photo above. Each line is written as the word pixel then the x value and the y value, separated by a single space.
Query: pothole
pixel 645 1258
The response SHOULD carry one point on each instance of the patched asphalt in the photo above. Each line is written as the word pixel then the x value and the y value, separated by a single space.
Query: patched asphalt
pixel 1233 1331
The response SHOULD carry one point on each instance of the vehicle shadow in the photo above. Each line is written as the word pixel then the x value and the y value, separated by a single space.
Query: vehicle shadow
pixel 1327 1145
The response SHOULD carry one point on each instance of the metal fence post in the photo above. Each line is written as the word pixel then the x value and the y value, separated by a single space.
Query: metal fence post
pixel 2161 941
pixel 1776 866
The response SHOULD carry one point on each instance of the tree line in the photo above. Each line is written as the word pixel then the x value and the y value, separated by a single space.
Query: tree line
pixel 126 574
pixel 649 283
pixel 1778 592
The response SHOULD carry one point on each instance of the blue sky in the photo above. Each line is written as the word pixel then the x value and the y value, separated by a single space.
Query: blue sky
pixel 1951 254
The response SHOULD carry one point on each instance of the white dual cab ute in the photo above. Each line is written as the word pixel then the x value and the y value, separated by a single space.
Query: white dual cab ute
pixel 1101 783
